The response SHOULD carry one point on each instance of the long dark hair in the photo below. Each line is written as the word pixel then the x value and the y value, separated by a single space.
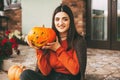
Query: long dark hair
pixel 72 33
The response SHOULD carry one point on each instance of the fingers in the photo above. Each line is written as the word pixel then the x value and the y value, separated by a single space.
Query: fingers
pixel 48 45
pixel 45 47
pixel 52 45
pixel 35 47
pixel 28 42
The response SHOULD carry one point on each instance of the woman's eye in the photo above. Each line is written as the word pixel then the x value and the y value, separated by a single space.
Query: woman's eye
pixel 65 19
pixel 57 19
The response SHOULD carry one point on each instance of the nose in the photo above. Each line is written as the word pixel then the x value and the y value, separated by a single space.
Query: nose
pixel 60 22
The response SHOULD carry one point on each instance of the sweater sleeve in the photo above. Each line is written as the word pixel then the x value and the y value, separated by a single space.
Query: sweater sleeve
pixel 71 63
pixel 43 62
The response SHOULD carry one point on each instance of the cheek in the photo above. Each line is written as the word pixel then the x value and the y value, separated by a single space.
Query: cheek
pixel 56 24
pixel 68 24
pixel 67 27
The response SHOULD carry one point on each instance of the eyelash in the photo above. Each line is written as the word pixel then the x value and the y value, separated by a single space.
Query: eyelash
pixel 63 19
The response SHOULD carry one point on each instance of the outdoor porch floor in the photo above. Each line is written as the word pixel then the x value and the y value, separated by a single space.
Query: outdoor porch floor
pixel 101 64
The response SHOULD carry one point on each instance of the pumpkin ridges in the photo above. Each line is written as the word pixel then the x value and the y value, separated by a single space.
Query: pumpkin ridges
pixel 18 72
pixel 15 71
pixel 51 37
pixel 39 36
pixel 45 39
pixel 11 72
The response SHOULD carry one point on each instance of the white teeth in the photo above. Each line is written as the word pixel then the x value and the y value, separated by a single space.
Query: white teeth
pixel 61 27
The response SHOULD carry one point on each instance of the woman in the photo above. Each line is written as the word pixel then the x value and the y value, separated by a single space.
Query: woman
pixel 64 59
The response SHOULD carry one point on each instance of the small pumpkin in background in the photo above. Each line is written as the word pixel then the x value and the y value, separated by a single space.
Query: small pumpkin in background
pixel 40 36
pixel 14 72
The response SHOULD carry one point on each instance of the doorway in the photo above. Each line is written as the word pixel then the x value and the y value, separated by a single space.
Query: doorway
pixel 103 24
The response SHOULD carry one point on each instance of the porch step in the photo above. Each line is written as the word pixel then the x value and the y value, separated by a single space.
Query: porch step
pixel 101 64
pixel 26 58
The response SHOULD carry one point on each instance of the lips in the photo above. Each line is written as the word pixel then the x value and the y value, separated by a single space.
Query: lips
pixel 61 27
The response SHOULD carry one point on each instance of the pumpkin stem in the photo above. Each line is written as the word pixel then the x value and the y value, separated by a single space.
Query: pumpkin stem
pixel 22 67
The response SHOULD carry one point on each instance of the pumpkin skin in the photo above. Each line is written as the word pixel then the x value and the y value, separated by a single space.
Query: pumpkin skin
pixel 40 36
pixel 15 71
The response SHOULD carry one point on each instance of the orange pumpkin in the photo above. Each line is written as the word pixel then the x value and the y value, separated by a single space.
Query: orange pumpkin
pixel 39 36
pixel 15 71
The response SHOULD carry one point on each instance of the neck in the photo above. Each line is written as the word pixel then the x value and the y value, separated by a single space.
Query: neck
pixel 63 37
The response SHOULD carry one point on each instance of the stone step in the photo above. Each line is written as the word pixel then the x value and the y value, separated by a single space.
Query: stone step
pixel 26 58
pixel 3 75
pixel 101 64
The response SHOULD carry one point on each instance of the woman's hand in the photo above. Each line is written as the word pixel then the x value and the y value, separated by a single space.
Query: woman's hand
pixel 53 46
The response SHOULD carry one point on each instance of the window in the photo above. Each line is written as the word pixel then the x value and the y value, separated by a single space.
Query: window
pixel 12 4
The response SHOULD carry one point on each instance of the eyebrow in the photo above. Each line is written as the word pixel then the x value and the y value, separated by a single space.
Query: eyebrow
pixel 63 17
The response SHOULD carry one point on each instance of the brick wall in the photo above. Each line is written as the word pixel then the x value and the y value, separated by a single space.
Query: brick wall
pixel 78 8
pixel 14 19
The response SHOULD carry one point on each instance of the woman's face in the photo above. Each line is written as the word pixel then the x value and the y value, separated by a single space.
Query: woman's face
pixel 62 22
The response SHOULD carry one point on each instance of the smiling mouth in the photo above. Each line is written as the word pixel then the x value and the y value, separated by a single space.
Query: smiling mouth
pixel 61 27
